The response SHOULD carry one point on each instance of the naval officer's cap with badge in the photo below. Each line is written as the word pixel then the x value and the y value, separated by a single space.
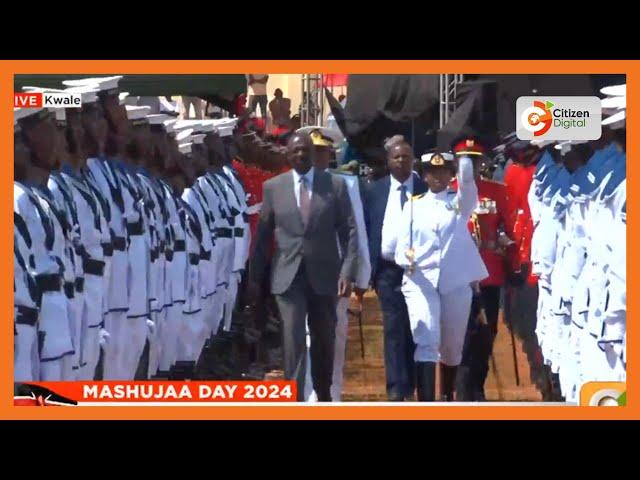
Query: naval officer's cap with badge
pixel 434 161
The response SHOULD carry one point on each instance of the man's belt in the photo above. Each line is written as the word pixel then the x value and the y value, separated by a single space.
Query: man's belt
pixel 119 243
pixel 107 249
pixel 179 246
pixel 93 267
pixel 79 284
pixel 224 232
pixel 26 315
pixel 238 232
pixel 194 258
pixel 135 229
pixel 48 282
pixel 69 289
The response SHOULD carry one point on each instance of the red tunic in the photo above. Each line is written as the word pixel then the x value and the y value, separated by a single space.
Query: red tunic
pixel 518 179
pixel 490 217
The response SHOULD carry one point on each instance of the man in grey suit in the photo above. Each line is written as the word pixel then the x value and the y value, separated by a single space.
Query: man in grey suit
pixel 306 208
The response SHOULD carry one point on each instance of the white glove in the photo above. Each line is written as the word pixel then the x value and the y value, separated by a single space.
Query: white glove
pixel 104 337
pixel 152 326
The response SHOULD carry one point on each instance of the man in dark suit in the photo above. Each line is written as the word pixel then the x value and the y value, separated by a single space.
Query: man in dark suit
pixel 306 208
pixel 385 200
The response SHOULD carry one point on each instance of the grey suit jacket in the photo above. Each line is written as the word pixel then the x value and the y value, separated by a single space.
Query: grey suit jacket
pixel 330 213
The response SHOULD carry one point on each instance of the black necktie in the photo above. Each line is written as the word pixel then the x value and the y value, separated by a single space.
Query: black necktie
pixel 403 195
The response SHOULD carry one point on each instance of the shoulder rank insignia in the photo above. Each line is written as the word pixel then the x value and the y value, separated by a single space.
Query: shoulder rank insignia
pixel 417 197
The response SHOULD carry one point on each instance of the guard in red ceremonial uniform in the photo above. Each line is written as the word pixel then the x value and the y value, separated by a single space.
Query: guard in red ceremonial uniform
pixel 521 294
pixel 488 226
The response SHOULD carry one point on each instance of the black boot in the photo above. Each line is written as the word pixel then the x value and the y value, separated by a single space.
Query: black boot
pixel 448 382
pixel 426 381
pixel 465 384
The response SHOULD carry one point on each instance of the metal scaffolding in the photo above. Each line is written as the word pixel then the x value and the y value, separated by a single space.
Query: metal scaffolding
pixel 312 106
pixel 448 92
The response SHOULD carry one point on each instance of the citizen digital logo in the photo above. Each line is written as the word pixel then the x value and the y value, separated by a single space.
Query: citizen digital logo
pixel 558 118
pixel 47 100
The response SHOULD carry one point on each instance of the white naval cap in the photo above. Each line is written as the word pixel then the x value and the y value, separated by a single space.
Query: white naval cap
pixel 542 143
pixel 22 113
pixel 437 158
pixel 185 148
pixel 206 126
pixel 180 124
pixel 159 118
pixel 41 90
pixel 89 93
pixel 566 147
pixel 225 131
pixel 169 125
pixel 122 97
pixel 615 90
pixel 104 84
pixel 137 112
pixel 59 112
pixel 183 135
pixel 335 136
pixel 198 138
pixel 614 102
pixel 616 121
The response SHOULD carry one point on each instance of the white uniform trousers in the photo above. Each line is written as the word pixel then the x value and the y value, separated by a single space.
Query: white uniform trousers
pixel 25 362
pixel 55 358
pixel 438 322
pixel 93 318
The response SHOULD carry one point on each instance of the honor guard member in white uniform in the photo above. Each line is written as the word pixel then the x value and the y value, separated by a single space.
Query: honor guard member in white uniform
pixel 138 150
pixel 48 241
pixel 324 143
pixel 441 262
pixel 26 357
pixel 93 215
pixel 215 193
pixel 197 200
pixel 565 271
pixel 200 327
pixel 61 194
pixel 238 222
pixel 214 293
pixel 194 324
pixel 110 186
pixel 161 129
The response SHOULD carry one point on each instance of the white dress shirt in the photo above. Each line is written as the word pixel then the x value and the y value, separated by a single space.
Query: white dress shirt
pixel 296 184
pixel 393 213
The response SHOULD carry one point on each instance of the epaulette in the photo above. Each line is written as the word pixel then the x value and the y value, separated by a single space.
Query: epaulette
pixel 417 197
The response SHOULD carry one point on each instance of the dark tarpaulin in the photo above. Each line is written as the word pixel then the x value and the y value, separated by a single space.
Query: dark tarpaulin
pixel 379 106
pixel 510 87
pixel 475 115
pixel 399 98
pixel 214 88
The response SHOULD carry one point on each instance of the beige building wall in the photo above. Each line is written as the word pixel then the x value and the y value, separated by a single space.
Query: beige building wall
pixel 291 86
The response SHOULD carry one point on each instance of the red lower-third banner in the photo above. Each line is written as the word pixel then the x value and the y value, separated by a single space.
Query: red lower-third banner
pixel 154 393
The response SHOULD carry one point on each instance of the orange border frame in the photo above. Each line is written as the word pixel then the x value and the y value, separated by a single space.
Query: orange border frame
pixel 9 68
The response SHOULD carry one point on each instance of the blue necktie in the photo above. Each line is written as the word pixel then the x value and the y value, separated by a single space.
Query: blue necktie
pixel 403 195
